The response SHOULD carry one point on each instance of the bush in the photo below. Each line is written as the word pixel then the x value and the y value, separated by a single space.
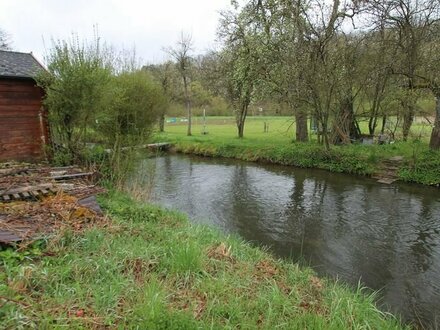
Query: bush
pixel 90 98
pixel 76 87
pixel 136 104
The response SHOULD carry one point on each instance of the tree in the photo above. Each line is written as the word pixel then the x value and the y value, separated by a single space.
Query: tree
pixel 137 101
pixel 323 70
pixel 239 60
pixel 164 74
pixel 200 96
pixel 295 76
pixel 351 78
pixel 5 42
pixel 379 54
pixel 281 35
pixel 76 85
pixel 181 53
pixel 296 50
pixel 89 88
pixel 434 142
pixel 430 78
pixel 410 22
pixel 210 74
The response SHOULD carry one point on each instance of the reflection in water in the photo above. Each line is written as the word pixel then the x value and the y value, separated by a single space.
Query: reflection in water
pixel 344 226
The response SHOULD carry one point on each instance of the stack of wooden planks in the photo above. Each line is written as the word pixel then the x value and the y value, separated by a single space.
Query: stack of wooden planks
pixel 34 200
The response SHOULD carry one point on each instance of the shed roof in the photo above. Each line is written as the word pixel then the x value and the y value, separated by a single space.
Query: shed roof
pixel 18 65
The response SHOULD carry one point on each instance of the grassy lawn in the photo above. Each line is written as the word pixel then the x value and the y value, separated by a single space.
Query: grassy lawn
pixel 420 165
pixel 150 269
pixel 281 129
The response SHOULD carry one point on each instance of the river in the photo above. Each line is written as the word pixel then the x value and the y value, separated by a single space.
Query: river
pixel 384 236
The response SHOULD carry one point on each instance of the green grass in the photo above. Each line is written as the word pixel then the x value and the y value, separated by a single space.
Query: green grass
pixel 420 165
pixel 281 129
pixel 151 269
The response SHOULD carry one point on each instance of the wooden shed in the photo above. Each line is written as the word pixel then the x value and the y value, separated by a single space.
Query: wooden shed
pixel 23 120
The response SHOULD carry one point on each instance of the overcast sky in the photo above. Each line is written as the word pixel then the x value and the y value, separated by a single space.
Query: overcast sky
pixel 148 25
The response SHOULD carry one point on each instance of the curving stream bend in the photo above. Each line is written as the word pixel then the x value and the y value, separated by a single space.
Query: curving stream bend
pixel 352 228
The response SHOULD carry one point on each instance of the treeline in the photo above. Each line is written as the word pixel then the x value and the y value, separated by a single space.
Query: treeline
pixel 329 61
pixel 326 62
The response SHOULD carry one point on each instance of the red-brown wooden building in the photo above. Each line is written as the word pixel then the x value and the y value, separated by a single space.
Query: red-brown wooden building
pixel 23 120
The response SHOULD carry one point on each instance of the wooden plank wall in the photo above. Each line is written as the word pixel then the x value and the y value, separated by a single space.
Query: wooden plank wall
pixel 21 132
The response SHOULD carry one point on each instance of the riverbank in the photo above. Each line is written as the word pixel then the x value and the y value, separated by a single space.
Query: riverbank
pixel 150 268
pixel 418 165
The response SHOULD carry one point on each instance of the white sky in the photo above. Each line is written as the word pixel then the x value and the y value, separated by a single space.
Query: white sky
pixel 148 25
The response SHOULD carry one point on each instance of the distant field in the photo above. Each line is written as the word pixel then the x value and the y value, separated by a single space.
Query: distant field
pixel 281 129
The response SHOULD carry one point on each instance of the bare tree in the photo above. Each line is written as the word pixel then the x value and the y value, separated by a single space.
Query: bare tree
pixel 429 78
pixel 181 53
pixel 410 22
pixel 325 69
pixel 379 54
pixel 434 142
pixel 5 42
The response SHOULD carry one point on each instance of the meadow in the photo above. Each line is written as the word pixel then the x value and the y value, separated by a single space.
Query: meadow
pixel 420 165
pixel 281 129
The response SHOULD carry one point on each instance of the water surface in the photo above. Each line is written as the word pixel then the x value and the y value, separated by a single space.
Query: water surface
pixel 385 236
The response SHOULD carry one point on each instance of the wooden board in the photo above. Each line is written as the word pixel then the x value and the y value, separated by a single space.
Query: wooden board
pixel 21 130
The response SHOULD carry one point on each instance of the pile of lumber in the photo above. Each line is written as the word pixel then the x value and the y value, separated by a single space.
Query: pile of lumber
pixel 37 200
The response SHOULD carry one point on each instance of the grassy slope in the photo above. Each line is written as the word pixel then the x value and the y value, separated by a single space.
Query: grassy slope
pixel 421 165
pixel 150 269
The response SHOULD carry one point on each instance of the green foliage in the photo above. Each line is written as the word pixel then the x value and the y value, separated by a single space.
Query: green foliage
pixel 424 167
pixel 62 156
pixel 136 103
pixel 77 86
pixel 95 97
pixel 11 255
pixel 280 51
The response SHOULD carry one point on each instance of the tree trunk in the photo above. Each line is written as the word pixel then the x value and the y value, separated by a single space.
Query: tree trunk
pixel 345 128
pixel 325 138
pixel 188 105
pixel 302 133
pixel 377 100
pixel 372 124
pixel 241 118
pixel 409 110
pixel 384 123
pixel 434 143
pixel 408 118
pixel 162 123
pixel 240 122
pixel 240 126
